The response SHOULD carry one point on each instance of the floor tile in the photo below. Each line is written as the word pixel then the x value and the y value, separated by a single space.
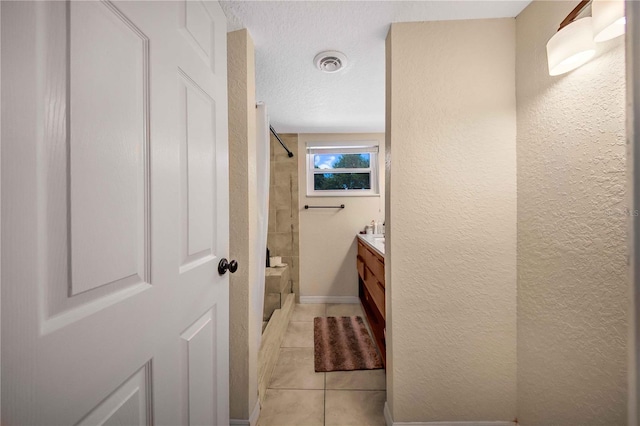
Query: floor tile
pixel 295 370
pixel 307 312
pixel 296 393
pixel 292 408
pixel 354 408
pixel 357 380
pixel 344 310
pixel 298 335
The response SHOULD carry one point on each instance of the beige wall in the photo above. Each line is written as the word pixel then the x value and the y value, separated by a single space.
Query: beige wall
pixel 572 273
pixel 284 226
pixel 327 236
pixel 243 359
pixel 451 133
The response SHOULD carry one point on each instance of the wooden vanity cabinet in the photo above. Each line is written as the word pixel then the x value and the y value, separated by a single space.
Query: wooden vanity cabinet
pixel 372 292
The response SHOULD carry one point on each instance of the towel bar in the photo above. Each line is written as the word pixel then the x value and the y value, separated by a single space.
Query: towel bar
pixel 341 206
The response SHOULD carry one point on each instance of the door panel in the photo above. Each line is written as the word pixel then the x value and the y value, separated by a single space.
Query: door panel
pixel 107 145
pixel 197 23
pixel 82 270
pixel 197 122
pixel 199 350
pixel 114 214
pixel 130 404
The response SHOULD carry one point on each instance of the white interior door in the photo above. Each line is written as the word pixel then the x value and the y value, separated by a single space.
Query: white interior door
pixel 114 213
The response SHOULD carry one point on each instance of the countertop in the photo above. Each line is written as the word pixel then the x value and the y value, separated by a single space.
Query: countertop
pixel 373 241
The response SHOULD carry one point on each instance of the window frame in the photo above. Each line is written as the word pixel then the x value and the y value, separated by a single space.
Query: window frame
pixel 343 147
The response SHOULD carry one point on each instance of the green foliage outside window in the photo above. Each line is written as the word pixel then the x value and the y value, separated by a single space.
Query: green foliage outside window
pixel 342 181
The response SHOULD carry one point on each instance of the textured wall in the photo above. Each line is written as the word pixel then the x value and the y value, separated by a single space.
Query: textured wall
pixel 328 247
pixel 572 273
pixel 452 132
pixel 284 219
pixel 243 350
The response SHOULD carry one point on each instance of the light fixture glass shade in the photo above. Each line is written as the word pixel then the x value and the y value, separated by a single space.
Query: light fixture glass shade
pixel 608 19
pixel 571 47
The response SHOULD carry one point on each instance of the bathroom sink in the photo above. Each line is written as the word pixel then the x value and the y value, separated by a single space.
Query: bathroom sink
pixel 378 240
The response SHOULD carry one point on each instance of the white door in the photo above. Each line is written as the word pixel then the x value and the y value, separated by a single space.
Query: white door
pixel 114 213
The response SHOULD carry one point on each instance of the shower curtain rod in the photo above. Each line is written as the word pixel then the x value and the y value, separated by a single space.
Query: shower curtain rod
pixel 289 153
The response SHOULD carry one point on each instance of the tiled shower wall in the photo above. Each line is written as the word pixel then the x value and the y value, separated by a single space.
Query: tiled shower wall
pixel 284 221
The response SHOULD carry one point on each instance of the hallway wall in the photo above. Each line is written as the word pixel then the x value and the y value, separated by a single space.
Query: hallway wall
pixel 451 216
pixel 243 221
pixel 572 248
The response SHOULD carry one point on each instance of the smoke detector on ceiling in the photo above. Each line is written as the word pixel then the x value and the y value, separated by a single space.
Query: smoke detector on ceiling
pixel 330 61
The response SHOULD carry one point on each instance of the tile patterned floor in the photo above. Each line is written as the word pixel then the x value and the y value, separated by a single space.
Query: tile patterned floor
pixel 298 396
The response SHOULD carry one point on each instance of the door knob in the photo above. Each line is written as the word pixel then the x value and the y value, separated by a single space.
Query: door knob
pixel 225 266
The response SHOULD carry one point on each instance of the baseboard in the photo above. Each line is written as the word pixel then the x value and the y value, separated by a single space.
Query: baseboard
pixel 329 299
pixel 387 415
pixel 253 419
pixel 390 422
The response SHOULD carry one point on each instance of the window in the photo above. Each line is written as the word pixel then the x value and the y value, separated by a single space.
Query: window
pixel 342 170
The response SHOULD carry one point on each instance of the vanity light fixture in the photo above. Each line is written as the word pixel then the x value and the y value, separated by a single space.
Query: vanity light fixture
pixel 608 19
pixel 571 46
pixel 574 43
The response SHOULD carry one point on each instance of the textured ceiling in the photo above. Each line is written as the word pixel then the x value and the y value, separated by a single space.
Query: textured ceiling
pixel 288 34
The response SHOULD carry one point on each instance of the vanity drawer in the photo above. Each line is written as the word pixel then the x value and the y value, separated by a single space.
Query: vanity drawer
pixel 360 263
pixel 375 290
pixel 362 251
pixel 373 262
pixel 377 267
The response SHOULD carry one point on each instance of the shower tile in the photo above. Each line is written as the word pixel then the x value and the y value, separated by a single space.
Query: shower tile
pixel 296 243
pixel 284 221
pixel 283 177
pixel 272 220
pixel 289 165
pixel 280 244
pixel 282 199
